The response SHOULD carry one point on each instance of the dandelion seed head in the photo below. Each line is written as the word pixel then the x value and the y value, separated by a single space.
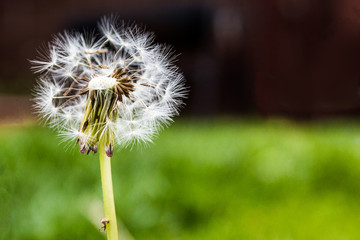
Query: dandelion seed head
pixel 121 86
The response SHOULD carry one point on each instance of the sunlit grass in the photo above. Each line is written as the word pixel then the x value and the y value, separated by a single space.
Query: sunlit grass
pixel 220 179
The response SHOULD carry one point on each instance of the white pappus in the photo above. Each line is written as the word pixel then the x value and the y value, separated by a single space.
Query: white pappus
pixel 120 87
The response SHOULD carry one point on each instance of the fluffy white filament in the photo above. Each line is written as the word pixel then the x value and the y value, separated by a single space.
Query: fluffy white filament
pixel 75 64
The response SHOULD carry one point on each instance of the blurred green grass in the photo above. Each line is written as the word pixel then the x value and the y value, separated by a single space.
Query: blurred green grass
pixel 202 179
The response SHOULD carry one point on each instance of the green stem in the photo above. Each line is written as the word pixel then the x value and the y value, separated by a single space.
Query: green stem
pixel 108 195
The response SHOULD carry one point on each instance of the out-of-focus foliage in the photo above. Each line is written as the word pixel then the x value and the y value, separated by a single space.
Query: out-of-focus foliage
pixel 229 179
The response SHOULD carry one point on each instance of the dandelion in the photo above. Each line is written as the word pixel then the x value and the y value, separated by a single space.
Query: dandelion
pixel 115 90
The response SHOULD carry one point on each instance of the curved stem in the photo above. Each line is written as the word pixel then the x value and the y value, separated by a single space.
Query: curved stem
pixel 108 195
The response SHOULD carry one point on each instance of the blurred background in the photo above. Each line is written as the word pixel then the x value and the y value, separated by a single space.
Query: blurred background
pixel 267 146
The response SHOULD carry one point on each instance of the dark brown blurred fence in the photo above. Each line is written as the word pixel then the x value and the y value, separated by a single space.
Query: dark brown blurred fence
pixel 292 57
